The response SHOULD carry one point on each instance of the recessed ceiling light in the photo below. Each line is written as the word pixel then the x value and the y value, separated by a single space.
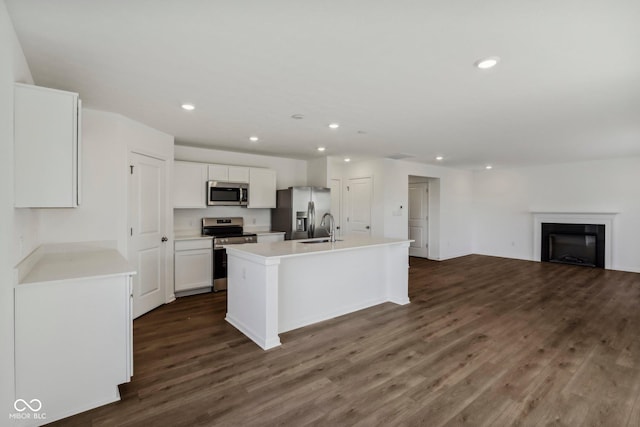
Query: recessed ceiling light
pixel 297 116
pixel 346 159
pixel 488 167
pixel 486 63
pixel 253 138
pixel 321 148
pixel 334 125
pixel 188 107
pixel 439 158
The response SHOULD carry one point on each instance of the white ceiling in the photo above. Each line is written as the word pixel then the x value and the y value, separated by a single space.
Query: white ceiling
pixel 397 75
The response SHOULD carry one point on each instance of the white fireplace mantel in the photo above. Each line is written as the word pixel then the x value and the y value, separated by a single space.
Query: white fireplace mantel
pixel 598 218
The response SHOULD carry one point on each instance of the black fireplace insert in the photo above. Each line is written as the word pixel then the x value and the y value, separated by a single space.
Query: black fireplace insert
pixel 577 244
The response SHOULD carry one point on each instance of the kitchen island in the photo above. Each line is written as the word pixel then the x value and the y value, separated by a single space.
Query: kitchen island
pixel 280 286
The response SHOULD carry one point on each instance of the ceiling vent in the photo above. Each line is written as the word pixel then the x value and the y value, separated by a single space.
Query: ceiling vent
pixel 399 156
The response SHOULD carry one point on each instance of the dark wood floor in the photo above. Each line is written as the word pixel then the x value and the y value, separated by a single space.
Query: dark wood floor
pixel 485 342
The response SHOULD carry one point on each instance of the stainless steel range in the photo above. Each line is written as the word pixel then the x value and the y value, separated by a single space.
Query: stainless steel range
pixel 225 231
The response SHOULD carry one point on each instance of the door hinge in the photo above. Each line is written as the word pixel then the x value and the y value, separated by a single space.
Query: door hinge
pixel 131 167
pixel 348 188
pixel 131 231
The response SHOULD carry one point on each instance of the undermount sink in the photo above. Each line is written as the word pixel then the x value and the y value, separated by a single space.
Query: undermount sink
pixel 320 241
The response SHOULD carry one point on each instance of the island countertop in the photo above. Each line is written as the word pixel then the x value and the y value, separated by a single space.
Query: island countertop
pixel 292 248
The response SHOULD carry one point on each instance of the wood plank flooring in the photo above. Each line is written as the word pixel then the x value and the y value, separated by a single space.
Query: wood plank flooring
pixel 485 342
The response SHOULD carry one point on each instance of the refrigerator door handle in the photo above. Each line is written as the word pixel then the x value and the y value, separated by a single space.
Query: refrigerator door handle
pixel 311 214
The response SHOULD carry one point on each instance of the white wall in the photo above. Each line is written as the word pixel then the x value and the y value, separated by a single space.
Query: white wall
pixel 453 188
pixel 504 199
pixel 454 223
pixel 317 172
pixel 14 223
pixel 102 215
pixel 189 220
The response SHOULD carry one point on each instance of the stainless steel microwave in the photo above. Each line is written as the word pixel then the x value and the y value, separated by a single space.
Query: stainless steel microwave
pixel 227 193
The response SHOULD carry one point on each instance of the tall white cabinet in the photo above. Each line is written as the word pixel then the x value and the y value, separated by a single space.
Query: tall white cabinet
pixel 47 147
pixel 262 188
pixel 189 185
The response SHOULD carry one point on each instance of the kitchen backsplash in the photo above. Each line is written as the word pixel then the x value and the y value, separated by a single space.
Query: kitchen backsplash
pixel 189 220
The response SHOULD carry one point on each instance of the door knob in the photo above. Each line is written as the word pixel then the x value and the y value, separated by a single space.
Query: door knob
pixel 164 239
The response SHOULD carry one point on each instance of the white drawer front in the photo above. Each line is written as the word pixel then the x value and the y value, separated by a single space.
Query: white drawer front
pixel 186 245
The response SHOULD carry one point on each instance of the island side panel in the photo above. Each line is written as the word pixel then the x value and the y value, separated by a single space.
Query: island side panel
pixel 325 285
pixel 397 279
pixel 252 298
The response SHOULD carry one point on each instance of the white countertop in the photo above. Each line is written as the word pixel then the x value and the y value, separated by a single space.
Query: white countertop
pixel 190 236
pixel 56 266
pixel 264 233
pixel 290 248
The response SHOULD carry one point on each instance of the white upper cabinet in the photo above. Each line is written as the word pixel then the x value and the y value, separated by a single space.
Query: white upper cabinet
pixel 227 173
pixel 262 188
pixel 189 185
pixel 47 147
pixel 238 174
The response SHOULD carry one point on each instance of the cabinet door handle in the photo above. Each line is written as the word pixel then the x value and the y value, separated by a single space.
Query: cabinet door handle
pixel 367 227
pixel 164 239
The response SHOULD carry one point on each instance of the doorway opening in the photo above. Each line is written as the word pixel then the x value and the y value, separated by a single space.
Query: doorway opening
pixel 424 217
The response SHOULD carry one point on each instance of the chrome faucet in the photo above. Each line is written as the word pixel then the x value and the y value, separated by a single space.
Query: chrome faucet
pixel 332 226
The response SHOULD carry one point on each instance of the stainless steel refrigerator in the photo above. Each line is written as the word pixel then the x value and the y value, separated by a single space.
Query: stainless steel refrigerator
pixel 299 211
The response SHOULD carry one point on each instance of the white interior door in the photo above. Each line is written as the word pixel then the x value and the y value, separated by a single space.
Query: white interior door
pixel 336 203
pixel 147 225
pixel 418 219
pixel 359 194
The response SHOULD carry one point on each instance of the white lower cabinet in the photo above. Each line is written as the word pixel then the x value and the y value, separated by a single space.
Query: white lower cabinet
pixel 73 343
pixel 193 264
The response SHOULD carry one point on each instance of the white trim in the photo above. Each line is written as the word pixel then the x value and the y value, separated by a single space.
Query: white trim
pixel 266 343
pixel 604 218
